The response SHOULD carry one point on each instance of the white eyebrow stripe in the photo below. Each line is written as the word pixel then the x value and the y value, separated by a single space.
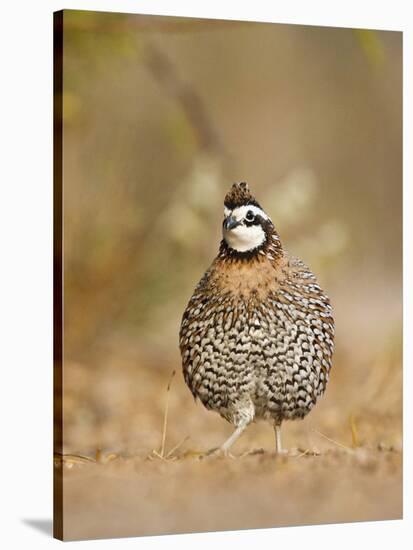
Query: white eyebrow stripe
pixel 240 212
pixel 227 211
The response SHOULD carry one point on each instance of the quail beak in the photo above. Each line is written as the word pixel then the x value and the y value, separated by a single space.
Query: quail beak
pixel 230 223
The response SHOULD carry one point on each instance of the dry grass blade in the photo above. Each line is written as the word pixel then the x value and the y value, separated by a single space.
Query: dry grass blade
pixel 302 453
pixel 354 435
pixel 177 446
pixel 333 441
pixel 165 417
pixel 74 458
pixel 158 455
pixel 254 452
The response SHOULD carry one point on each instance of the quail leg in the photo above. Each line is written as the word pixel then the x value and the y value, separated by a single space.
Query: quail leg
pixel 224 449
pixel 278 446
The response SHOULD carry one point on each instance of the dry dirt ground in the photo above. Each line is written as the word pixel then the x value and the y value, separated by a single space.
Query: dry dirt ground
pixel 115 483
pixel 147 496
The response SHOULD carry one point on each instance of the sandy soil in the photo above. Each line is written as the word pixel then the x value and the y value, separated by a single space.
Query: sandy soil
pixel 146 496
pixel 115 485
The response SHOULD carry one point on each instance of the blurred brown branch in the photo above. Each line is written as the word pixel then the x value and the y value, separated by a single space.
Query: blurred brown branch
pixel 165 73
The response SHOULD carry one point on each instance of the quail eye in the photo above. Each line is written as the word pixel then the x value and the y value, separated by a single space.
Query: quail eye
pixel 249 216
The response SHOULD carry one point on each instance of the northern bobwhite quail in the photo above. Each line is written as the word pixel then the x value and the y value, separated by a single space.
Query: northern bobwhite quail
pixel 256 338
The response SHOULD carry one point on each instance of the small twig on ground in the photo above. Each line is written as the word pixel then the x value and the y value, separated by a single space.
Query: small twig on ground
pixel 303 453
pixel 74 457
pixel 158 455
pixel 164 458
pixel 334 442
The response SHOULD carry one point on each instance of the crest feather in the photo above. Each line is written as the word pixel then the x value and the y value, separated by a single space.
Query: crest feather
pixel 239 195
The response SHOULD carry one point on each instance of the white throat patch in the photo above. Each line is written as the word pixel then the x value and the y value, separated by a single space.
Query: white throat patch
pixel 243 238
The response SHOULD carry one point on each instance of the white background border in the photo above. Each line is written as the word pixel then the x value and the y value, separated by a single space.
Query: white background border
pixel 26 264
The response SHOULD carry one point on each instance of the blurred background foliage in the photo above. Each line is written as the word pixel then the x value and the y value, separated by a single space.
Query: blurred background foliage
pixel 161 115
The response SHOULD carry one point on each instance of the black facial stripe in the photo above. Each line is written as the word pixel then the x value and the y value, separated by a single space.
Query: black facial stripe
pixel 258 220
